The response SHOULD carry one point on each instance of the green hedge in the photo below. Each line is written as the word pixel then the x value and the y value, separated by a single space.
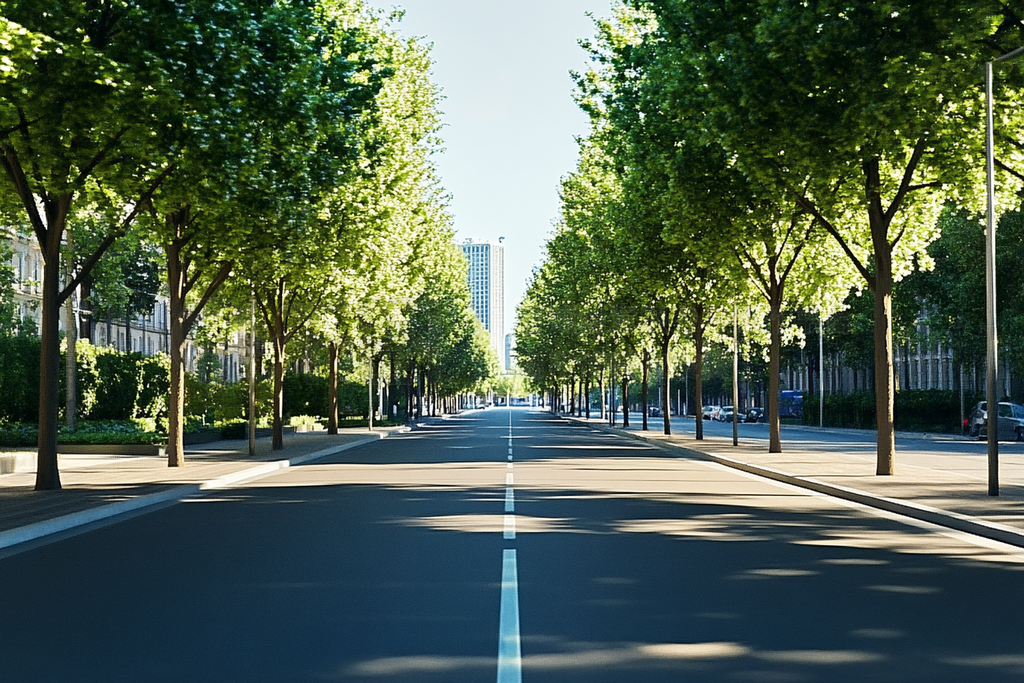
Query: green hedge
pixel 117 385
pixel 19 378
pixel 916 410
pixel 226 402
pixel 89 432
pixel 112 384
pixel 307 395
pixel 303 395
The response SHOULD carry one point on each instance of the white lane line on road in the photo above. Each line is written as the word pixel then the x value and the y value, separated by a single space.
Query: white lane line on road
pixel 510 465
pixel 510 657
pixel 510 450
pixel 508 479
pixel 510 500
pixel 510 528
pixel 510 458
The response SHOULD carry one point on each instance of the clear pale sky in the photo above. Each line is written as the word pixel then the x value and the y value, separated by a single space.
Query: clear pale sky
pixel 509 118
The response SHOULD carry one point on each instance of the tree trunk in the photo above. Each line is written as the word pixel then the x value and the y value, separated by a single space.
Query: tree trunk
pixel 645 364
pixel 884 395
pixel 666 387
pixel 179 323
pixel 277 440
pixel 600 385
pixel 392 388
pixel 332 388
pixel 71 364
pixel 176 313
pixel 774 370
pixel 612 408
pixel 419 394
pixel 586 393
pixel 408 392
pixel 625 401
pixel 47 473
pixel 252 375
pixel 883 377
pixel 225 370
pixel 698 371
pixel 85 310
pixel 371 390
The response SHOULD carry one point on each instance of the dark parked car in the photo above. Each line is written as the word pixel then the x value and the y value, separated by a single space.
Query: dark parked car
pixel 755 415
pixel 726 415
pixel 1011 421
pixel 653 411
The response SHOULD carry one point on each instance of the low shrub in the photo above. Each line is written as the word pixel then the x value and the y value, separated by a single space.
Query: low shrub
pixel 305 421
pixel 139 431
pixel 220 402
pixel 233 429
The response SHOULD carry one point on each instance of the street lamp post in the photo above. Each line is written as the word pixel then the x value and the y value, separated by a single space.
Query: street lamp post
pixel 992 357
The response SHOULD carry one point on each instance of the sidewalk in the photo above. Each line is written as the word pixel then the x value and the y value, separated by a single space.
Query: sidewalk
pixel 99 487
pixel 946 488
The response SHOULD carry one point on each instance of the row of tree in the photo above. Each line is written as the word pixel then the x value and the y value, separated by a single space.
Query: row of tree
pixel 277 154
pixel 747 160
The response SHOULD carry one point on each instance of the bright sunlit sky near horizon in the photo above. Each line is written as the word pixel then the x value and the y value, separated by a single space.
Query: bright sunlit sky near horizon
pixel 509 118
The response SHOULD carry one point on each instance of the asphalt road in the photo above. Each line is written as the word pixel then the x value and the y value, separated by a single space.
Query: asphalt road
pixel 426 557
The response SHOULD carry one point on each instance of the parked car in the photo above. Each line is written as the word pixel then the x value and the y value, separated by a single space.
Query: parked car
pixel 755 415
pixel 653 411
pixel 710 412
pixel 1011 421
pixel 725 415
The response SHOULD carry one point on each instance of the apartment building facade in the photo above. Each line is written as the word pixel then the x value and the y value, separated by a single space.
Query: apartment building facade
pixel 147 333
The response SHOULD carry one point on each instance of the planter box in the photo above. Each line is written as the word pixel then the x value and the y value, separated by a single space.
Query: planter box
pixel 111 449
pixel 17 462
pixel 303 429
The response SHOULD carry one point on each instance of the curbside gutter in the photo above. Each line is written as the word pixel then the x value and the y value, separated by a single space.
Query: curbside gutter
pixel 38 530
pixel 951 520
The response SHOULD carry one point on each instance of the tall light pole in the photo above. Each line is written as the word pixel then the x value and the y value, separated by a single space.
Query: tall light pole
pixel 991 338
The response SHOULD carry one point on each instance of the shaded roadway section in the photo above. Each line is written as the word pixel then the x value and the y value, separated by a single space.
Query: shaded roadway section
pixel 383 564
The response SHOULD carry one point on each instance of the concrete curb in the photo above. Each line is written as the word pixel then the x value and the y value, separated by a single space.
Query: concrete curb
pixel 37 530
pixel 951 520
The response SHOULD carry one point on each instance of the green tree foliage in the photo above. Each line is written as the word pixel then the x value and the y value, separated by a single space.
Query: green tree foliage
pixel 865 114
pixel 82 87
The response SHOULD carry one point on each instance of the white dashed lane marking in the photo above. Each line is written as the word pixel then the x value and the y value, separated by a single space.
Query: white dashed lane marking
pixel 510 657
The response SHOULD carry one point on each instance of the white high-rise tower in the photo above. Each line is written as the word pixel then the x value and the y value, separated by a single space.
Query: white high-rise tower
pixel 487 288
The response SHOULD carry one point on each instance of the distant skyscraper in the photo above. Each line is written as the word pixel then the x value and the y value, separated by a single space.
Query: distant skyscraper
pixel 487 288
pixel 510 352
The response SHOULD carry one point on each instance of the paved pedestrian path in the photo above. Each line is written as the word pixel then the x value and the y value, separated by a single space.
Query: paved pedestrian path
pixel 947 487
pixel 119 484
